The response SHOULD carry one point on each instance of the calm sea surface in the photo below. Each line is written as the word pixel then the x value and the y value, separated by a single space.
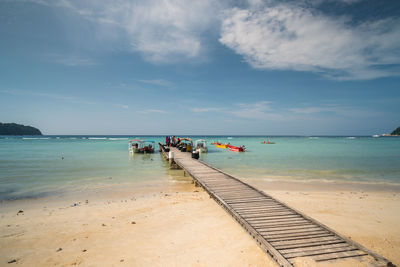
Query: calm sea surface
pixel 33 166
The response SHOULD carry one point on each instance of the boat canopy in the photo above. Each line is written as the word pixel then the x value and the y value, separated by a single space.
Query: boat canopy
pixel 201 141
pixel 136 140
pixel 186 139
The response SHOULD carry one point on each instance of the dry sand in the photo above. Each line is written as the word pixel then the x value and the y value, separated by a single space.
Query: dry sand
pixel 178 225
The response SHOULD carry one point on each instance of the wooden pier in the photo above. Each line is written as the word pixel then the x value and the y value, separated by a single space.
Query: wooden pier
pixel 282 232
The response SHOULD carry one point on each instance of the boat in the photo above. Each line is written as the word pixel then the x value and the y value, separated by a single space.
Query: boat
pixel 267 142
pixel 221 145
pixel 236 148
pixel 185 144
pixel 201 146
pixel 141 146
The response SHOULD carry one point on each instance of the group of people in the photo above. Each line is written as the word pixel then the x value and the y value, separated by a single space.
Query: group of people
pixel 171 141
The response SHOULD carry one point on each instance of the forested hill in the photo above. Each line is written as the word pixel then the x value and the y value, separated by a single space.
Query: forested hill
pixel 396 132
pixel 18 129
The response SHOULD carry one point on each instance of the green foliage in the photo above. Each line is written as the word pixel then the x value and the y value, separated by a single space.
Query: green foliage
pixel 396 132
pixel 17 129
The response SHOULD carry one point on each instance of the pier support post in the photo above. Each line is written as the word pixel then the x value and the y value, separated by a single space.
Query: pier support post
pixel 171 158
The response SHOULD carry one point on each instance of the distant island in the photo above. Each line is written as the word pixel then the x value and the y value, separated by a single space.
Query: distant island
pixel 396 132
pixel 18 129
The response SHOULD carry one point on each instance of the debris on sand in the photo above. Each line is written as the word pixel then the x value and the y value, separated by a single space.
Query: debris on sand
pixel 20 211
pixel 59 249
pixel 133 222
pixel 12 261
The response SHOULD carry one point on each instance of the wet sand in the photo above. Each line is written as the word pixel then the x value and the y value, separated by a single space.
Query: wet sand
pixel 179 225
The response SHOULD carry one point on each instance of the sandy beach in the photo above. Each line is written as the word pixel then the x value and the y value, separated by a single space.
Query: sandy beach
pixel 179 225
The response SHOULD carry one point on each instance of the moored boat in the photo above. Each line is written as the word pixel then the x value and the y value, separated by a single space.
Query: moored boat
pixel 267 142
pixel 217 144
pixel 185 145
pixel 201 146
pixel 237 148
pixel 140 146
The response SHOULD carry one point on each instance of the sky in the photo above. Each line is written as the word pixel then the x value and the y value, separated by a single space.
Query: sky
pixel 304 67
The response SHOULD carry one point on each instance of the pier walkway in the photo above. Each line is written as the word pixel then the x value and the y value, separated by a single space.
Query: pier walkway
pixel 279 230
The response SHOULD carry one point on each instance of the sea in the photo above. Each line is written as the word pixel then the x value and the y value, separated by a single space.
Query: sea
pixel 35 166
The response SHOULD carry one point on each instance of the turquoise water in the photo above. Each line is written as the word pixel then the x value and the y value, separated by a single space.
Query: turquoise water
pixel 33 166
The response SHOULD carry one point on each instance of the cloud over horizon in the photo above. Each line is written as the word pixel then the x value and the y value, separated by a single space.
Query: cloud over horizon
pixel 293 37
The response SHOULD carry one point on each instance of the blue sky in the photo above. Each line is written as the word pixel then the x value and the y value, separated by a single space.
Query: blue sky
pixel 309 67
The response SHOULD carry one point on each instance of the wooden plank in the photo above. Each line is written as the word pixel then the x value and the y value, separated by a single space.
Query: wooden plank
pixel 233 192
pixel 247 201
pixel 322 252
pixel 292 232
pixel 340 255
pixel 267 214
pixel 314 248
pixel 264 210
pixel 264 203
pixel 306 244
pixel 243 199
pixel 273 215
pixel 241 196
pixel 285 227
pixel 258 207
pixel 281 225
pixel 273 218
pixel 261 211
pixel 238 195
pixel 271 239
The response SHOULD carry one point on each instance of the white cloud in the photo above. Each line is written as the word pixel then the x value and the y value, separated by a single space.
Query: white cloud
pixel 146 111
pixel 162 31
pixel 291 37
pixel 315 109
pixel 160 82
pixel 199 110
pixel 259 110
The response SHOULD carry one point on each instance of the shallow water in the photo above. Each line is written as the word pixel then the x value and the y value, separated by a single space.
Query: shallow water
pixel 36 166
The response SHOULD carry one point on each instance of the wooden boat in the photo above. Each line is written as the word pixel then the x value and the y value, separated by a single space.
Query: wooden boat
pixel 140 146
pixel 237 148
pixel 201 146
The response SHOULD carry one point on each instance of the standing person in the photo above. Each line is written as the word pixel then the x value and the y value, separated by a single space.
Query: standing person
pixel 166 140
pixel 173 140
